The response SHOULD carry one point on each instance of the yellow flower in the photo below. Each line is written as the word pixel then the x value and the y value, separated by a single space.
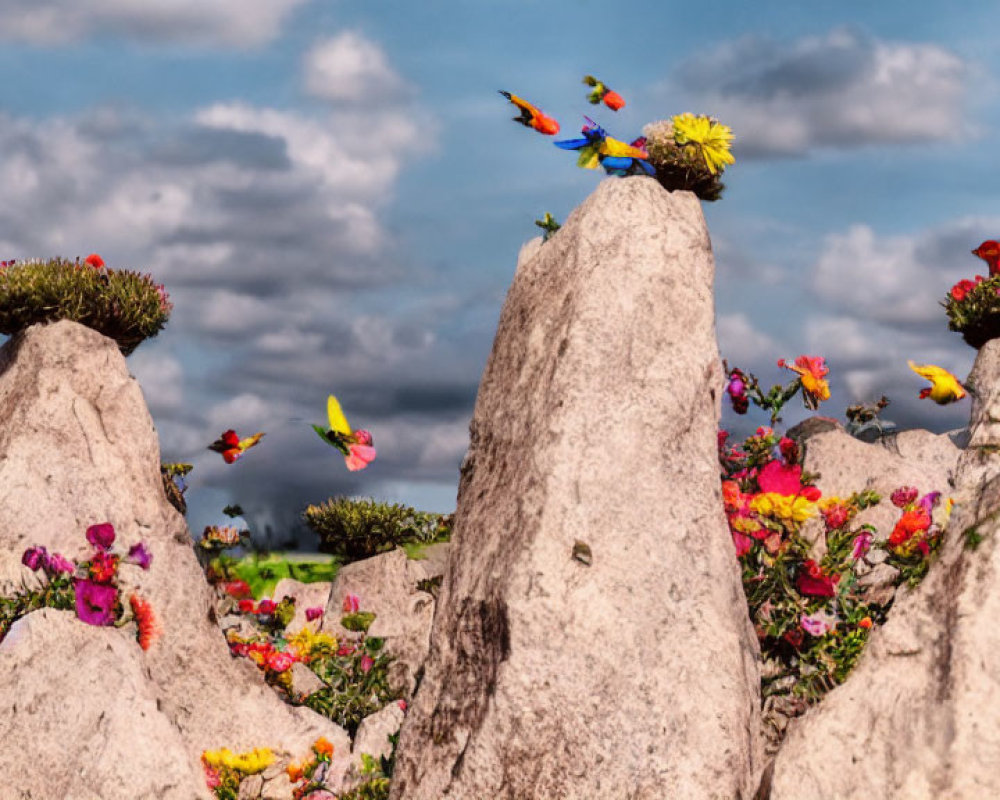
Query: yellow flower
pixel 787 508
pixel 744 524
pixel 257 760
pixel 305 643
pixel 712 139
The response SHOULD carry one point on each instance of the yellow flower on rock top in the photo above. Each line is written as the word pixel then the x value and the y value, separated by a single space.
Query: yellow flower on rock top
pixel 712 139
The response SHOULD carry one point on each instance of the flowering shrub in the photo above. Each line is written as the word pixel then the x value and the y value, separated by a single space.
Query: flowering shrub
pixel 690 152
pixel 123 305
pixel 973 306
pixel 811 614
pixel 89 587
pixel 356 529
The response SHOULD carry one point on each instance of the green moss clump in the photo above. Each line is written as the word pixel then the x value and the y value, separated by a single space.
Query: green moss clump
pixel 121 304
pixel 355 529
pixel 678 167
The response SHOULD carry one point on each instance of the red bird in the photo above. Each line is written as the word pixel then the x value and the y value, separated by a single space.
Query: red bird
pixel 989 251
pixel 532 117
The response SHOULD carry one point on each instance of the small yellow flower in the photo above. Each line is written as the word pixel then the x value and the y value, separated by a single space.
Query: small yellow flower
pixel 710 137
pixel 257 760
pixel 787 508
pixel 305 643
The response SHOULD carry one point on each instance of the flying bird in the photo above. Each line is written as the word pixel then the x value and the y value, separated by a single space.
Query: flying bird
pixel 602 93
pixel 531 116
pixel 232 446
pixel 945 388
pixel 355 445
pixel 597 149
pixel 989 251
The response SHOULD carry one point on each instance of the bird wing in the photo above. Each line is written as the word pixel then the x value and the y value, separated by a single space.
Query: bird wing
pixel 250 441
pixel 335 414
pixel 528 111
pixel 929 371
pixel 615 148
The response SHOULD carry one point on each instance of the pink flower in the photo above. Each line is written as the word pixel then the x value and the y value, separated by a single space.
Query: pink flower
pixel 862 543
pixel 101 536
pixel 362 437
pixel 815 625
pixel 742 542
pixel 34 558
pixel 139 554
pixel 836 516
pixel 345 650
pixel 928 501
pixel 59 563
pixel 780 479
pixel 360 456
pixel 314 613
pixel 95 602
pixel 367 662
pixel 903 496
pixel 278 661
pixel 351 604
pixel 402 705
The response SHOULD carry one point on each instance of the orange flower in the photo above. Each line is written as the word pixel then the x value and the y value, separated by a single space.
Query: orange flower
pixel 865 622
pixel 323 747
pixel 294 770
pixel 812 370
pixel 145 620
pixel 910 523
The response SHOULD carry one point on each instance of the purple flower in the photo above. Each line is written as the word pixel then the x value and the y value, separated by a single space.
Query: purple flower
pixel 34 558
pixel 139 554
pixel 928 501
pixel 862 543
pixel 58 563
pixel 314 613
pixel 101 536
pixel 95 602
pixel 815 625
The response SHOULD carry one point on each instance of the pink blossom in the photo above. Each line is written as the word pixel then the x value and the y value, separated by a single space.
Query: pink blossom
pixel 360 456
pixel 139 554
pixel 351 604
pixel 314 613
pixel 34 558
pixel 815 625
pixel 101 536
pixel 903 496
pixel 780 479
pixel 367 662
pixel 95 602
pixel 742 542
pixel 862 543
pixel 362 437
pixel 278 661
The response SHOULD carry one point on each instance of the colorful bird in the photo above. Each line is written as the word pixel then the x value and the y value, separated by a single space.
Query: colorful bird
pixel 531 116
pixel 989 251
pixel 597 149
pixel 945 388
pixel 601 92
pixel 355 445
pixel 548 224
pixel 232 446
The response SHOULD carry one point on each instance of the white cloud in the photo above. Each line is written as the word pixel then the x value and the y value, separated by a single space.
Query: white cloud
pixel 350 68
pixel 841 90
pixel 161 377
pixel 227 23
pixel 740 343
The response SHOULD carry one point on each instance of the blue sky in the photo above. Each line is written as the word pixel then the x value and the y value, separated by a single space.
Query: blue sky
pixel 334 195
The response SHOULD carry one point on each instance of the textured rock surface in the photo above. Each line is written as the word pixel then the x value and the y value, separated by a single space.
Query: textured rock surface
pixel 386 584
pixel 77 447
pixel 307 595
pixel 592 637
pixel 374 732
pixel 918 717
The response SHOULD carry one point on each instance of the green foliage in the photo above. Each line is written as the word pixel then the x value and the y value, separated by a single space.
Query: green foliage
pixel 679 168
pixel 262 572
pixel 124 305
pixel 977 315
pixel 359 621
pixel 357 529
pixel 357 684
pixel 973 538
pixel 58 593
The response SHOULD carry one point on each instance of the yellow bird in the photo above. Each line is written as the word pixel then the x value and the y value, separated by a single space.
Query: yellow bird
pixel 945 387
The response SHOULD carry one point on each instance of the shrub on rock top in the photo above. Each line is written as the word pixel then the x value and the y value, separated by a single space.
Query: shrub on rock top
pixel 357 529
pixel 123 305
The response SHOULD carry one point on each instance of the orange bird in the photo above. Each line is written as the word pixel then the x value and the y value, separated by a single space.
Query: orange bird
pixel 532 117
pixel 989 251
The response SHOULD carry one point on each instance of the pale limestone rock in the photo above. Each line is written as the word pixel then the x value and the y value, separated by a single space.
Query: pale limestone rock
pixel 919 716
pixel 374 732
pixel 592 639
pixel 78 447
pixel 307 595
pixel 386 585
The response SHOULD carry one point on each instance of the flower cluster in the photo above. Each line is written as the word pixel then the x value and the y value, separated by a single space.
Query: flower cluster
pixel 916 536
pixel 973 306
pixel 742 387
pixel 690 152
pixel 310 773
pixel 225 770
pixel 90 587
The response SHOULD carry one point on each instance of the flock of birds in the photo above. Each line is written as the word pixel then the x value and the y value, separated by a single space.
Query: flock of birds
pixel 595 147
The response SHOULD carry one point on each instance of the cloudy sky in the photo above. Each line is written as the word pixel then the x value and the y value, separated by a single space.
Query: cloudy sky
pixel 334 195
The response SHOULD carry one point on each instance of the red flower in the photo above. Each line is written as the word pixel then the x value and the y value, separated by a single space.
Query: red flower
pixel 989 251
pixel 94 260
pixel 961 289
pixel 780 479
pixel 237 589
pixel 910 523
pixel 815 583
pixel 865 622
pixel 794 637
pixel 231 455
pixel 145 620
pixel 246 606
pixel 266 606
pixel 789 450
pixel 903 496
pixel 103 567
pixel 811 493
pixel 742 542
pixel 836 516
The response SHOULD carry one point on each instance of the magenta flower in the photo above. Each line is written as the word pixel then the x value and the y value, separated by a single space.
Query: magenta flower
pixel 34 558
pixel 367 662
pixel 95 602
pixel 59 563
pixel 279 661
pixel 314 613
pixel 862 543
pixel 266 606
pixel 139 554
pixel 780 479
pixel 101 536
pixel 903 496
pixel 928 501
